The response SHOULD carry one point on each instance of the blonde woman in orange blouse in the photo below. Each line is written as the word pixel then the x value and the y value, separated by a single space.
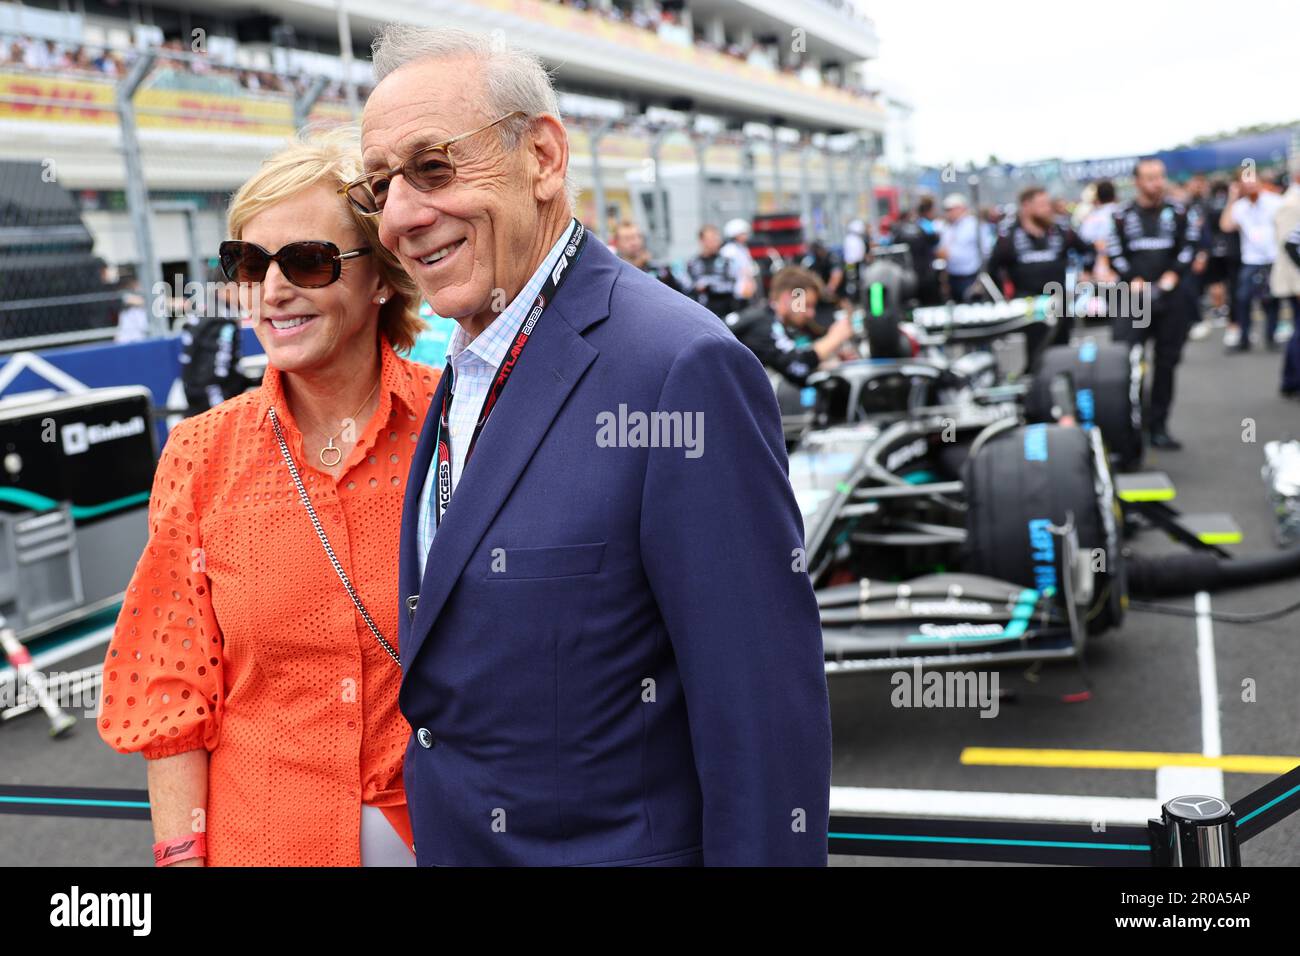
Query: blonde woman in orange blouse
pixel 241 666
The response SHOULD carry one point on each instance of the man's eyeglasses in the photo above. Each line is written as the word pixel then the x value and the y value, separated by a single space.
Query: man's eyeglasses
pixel 309 264
pixel 428 168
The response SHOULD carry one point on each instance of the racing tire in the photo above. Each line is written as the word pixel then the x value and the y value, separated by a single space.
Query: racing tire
pixel 1021 482
pixel 1107 380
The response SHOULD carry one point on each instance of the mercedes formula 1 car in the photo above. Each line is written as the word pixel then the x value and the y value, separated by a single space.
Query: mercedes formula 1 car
pixel 962 509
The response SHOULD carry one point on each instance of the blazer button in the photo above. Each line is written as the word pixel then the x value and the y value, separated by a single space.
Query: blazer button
pixel 424 737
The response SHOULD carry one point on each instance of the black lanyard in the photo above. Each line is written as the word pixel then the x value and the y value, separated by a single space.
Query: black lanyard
pixel 550 287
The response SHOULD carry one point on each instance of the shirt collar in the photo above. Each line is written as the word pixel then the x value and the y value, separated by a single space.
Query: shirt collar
pixel 394 381
pixel 490 345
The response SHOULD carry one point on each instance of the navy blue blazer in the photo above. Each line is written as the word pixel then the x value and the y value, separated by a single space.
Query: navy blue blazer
pixel 615 655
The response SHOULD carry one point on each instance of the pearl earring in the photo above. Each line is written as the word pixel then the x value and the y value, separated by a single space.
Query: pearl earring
pixel 382 300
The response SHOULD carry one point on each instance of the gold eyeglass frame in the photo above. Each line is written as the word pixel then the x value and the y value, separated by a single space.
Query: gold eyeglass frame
pixel 443 147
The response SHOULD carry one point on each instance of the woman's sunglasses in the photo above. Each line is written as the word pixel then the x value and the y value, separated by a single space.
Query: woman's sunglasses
pixel 309 264
pixel 428 168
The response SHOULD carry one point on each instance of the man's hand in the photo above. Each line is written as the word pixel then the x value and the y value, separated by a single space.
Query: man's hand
pixel 841 331
pixel 1198 264
pixel 1168 281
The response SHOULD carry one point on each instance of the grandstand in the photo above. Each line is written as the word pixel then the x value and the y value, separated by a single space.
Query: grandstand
pixel 645 83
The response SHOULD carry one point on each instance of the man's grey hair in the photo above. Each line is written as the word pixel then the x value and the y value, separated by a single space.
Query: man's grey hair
pixel 513 79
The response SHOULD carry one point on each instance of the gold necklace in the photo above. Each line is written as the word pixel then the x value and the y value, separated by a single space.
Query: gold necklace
pixel 331 447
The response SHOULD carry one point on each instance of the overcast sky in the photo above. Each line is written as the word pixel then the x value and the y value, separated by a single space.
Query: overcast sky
pixel 1031 80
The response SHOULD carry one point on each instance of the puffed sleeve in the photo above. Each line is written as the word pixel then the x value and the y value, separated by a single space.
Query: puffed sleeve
pixel 162 691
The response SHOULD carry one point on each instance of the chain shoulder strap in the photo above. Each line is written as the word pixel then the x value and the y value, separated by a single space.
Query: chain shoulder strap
pixel 320 533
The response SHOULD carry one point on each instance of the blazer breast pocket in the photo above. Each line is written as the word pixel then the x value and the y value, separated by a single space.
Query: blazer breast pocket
pixel 567 560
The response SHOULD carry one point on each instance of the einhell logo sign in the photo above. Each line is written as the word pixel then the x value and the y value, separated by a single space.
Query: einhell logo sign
pixel 78 436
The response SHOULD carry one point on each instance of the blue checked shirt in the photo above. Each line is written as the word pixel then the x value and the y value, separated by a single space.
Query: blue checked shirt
pixel 474 363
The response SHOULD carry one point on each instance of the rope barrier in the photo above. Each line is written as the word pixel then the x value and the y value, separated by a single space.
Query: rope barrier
pixel 917 838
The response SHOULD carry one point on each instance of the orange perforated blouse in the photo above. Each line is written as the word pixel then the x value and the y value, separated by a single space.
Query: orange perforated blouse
pixel 236 634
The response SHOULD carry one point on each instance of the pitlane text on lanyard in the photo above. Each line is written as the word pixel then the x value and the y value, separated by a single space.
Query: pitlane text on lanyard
pixel 571 251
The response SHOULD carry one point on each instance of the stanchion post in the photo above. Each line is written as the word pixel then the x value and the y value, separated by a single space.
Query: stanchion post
pixel 805 193
pixel 190 210
pixel 305 102
pixel 137 192
pixel 659 235
pixel 778 187
pixel 345 54
pixel 598 177
pixel 833 220
pixel 868 152
pixel 750 176
pixel 1196 831
pixel 701 141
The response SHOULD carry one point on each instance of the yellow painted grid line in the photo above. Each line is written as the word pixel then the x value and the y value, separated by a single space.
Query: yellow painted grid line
pixel 1122 760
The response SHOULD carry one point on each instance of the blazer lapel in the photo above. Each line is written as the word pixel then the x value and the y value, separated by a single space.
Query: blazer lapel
pixel 554 360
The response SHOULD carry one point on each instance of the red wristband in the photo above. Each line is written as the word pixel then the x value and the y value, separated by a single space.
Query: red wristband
pixel 182 848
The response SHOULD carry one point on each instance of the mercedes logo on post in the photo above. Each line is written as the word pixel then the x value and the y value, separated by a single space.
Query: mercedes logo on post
pixel 1198 808
pixel 1200 832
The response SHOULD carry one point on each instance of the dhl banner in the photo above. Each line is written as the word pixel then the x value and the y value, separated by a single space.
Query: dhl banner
pixel 28 96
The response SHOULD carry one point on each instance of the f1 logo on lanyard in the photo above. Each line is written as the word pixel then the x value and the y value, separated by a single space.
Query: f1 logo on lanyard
pixel 547 295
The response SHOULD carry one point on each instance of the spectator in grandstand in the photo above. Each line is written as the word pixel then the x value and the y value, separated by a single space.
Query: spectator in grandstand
pixel 37 54
pixel 252 681
pixel 712 281
pixel 574 548
pixel 960 246
pixel 81 60
pixel 1251 213
pixel 779 329
pixel 736 248
pixel 629 243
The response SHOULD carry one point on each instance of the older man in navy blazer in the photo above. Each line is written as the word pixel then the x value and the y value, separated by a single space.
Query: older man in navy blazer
pixel 611 651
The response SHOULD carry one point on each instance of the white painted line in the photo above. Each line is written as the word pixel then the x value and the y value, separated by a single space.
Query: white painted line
pixel 51 373
pixel 1174 782
pixel 963 804
pixel 1208 781
pixel 1211 737
pixel 61 653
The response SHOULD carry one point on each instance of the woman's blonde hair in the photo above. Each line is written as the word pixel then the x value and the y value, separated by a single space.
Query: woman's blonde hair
pixel 332 157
